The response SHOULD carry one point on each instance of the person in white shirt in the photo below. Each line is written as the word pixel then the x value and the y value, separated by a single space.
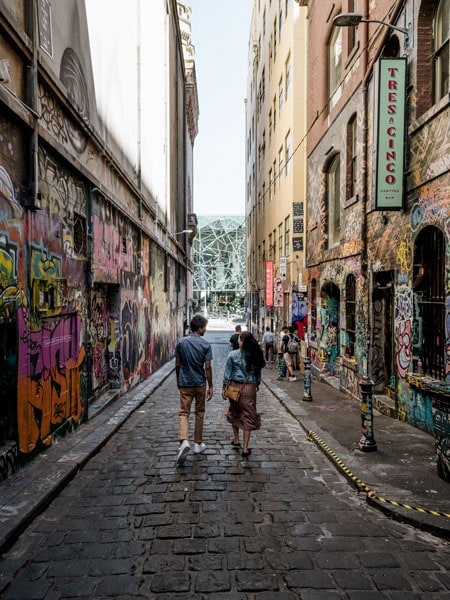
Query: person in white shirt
pixel 268 342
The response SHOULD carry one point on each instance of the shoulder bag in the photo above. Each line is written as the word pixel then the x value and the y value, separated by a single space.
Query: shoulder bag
pixel 232 392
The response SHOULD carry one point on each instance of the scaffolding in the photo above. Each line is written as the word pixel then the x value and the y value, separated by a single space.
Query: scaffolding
pixel 219 266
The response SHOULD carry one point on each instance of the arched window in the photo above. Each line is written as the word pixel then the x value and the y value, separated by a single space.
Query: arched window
pixel 432 54
pixel 334 201
pixel 350 314
pixel 335 60
pixel 429 289
pixel 441 50
pixel 351 157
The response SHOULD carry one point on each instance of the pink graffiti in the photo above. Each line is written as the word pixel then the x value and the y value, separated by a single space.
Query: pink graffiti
pixel 404 337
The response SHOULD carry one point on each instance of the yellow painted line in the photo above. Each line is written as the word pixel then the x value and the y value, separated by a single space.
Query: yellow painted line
pixel 312 436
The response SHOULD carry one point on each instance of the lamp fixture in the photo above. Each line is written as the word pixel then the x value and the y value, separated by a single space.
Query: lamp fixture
pixel 354 19
pixel 184 231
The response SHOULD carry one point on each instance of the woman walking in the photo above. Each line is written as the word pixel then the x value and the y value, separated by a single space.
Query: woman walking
pixel 243 368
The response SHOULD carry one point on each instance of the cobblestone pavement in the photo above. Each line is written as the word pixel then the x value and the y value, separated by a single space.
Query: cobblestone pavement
pixel 280 525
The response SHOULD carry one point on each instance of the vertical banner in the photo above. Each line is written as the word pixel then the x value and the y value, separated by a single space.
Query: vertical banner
pixel 269 282
pixel 390 133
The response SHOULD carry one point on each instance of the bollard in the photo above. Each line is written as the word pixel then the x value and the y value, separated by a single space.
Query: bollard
pixel 367 442
pixel 307 396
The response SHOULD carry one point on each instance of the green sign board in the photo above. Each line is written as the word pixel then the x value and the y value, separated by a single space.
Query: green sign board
pixel 390 134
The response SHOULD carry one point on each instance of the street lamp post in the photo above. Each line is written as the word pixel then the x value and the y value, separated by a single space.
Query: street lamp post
pixel 354 19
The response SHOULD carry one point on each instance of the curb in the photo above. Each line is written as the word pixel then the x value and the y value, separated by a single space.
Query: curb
pixel 432 521
pixel 23 498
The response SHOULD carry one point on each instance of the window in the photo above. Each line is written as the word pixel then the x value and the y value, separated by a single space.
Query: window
pixel 280 164
pixel 351 158
pixel 350 314
pixel 288 5
pixel 333 201
pixel 351 31
pixel 441 50
pixel 275 40
pixel 429 290
pixel 270 185
pixel 274 113
pixel 274 176
pixel 270 247
pixel 287 236
pixel 432 54
pixel 270 126
pixel 281 17
pixel 280 239
pixel 262 87
pixel 335 59
pixel 287 71
pixel 280 96
pixel 274 244
pixel 287 147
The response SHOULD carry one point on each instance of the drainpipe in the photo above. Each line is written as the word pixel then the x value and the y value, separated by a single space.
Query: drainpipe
pixel 32 101
pixel 89 285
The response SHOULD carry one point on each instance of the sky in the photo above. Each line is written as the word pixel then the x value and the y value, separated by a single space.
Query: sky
pixel 220 33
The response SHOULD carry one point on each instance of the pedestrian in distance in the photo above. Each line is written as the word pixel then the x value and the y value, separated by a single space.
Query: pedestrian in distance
pixel 234 338
pixel 193 369
pixel 268 345
pixel 282 370
pixel 243 369
pixel 291 344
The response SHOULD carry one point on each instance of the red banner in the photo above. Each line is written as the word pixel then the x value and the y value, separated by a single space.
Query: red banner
pixel 269 282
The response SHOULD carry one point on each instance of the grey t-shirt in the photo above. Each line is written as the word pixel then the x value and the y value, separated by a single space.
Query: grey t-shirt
pixel 192 350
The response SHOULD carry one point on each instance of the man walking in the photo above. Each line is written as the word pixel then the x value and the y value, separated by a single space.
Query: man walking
pixel 193 357
pixel 234 338
pixel 290 343
pixel 268 342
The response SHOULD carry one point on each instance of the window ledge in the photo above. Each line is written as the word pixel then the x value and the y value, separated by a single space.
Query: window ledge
pixel 352 200
pixel 429 114
pixel 435 387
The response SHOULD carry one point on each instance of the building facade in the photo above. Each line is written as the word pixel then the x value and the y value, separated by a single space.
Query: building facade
pixel 378 189
pixel 276 166
pixel 95 183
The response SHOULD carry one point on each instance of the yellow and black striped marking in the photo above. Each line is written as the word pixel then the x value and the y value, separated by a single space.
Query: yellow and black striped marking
pixel 312 436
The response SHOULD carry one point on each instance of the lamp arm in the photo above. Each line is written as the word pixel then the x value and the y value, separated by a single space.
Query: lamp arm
pixel 401 29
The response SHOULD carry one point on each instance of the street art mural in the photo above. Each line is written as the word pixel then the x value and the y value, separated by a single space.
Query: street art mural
pixel 329 335
pixel 300 313
pixel 50 356
pixel 403 316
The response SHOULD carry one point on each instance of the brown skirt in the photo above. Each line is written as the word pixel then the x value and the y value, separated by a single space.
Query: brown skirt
pixel 242 414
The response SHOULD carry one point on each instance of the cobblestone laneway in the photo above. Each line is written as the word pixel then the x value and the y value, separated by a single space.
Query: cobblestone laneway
pixel 280 525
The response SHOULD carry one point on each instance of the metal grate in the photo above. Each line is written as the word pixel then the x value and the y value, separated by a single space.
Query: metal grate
pixel 429 257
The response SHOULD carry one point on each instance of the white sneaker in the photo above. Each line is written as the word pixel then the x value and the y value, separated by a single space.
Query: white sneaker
pixel 183 452
pixel 292 378
pixel 199 448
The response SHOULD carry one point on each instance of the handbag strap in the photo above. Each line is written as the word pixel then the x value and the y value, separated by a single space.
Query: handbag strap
pixel 248 377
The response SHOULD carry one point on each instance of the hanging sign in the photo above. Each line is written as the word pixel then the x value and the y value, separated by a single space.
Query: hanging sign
pixel 278 292
pixel 269 282
pixel 283 267
pixel 390 133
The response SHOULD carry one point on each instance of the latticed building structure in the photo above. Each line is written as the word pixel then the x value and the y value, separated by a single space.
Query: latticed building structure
pixel 219 266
